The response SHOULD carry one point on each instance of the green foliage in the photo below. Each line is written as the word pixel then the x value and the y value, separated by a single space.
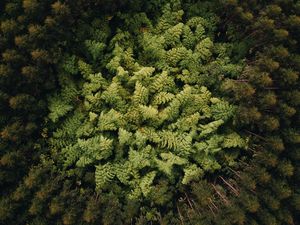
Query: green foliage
pixel 159 112
pixel 58 108
pixel 142 124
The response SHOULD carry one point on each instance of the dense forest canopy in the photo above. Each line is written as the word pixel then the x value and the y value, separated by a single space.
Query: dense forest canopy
pixel 149 112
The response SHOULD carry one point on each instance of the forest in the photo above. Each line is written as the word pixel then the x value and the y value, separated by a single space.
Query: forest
pixel 132 112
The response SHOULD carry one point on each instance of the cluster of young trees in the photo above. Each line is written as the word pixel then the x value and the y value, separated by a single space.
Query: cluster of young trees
pixel 270 113
pixel 157 112
pixel 29 50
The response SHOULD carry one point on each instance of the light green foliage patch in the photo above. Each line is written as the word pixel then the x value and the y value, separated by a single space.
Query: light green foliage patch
pixel 147 114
